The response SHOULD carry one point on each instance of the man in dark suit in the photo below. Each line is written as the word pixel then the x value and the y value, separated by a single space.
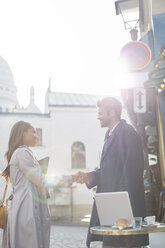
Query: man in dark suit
pixel 121 169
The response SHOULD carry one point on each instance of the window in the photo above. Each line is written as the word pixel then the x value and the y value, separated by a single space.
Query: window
pixel 7 110
pixel 78 156
pixel 0 109
pixel 39 134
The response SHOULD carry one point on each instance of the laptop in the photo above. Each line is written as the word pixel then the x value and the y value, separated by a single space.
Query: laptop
pixel 113 206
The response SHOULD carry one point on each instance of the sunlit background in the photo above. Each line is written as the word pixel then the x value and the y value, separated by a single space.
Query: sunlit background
pixel 75 43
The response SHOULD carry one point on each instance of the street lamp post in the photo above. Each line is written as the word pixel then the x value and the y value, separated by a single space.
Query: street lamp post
pixel 129 10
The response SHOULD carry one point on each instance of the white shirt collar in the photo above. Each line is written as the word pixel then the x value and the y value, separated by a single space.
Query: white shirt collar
pixel 112 130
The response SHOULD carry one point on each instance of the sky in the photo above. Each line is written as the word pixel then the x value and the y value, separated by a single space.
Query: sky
pixel 76 43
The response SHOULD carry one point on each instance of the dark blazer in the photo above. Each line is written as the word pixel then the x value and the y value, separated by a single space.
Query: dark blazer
pixel 121 169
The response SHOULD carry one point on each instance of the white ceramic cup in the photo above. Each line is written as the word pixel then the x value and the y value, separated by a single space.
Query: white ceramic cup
pixel 150 220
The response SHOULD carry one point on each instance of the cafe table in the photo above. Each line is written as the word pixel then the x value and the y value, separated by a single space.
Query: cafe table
pixel 85 221
pixel 105 230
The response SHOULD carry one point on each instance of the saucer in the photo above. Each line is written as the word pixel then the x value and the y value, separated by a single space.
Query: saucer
pixel 151 225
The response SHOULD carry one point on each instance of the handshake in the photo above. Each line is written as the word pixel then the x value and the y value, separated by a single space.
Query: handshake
pixel 81 177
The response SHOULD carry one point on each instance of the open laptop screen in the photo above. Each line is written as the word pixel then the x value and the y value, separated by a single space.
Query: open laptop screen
pixel 113 206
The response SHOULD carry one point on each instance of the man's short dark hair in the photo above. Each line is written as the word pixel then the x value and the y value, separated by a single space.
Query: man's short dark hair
pixel 111 103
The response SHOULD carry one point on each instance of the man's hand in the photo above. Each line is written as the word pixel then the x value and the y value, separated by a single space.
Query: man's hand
pixel 80 177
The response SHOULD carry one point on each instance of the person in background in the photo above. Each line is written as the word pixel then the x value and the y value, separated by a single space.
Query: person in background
pixel 121 169
pixel 28 219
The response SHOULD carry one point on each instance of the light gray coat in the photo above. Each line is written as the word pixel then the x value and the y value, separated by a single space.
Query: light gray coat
pixel 28 219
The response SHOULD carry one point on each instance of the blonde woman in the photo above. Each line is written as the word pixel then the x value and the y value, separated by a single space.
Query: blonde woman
pixel 28 221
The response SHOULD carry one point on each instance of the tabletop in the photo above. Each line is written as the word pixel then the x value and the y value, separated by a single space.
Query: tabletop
pixel 85 221
pixel 102 230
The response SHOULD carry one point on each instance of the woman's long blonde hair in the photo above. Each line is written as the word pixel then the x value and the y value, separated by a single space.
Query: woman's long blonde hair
pixel 15 140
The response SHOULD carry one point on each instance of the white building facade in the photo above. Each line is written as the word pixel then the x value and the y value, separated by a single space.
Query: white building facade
pixel 68 131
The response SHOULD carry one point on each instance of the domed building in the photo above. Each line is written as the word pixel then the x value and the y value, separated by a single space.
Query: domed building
pixel 32 107
pixel 8 91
